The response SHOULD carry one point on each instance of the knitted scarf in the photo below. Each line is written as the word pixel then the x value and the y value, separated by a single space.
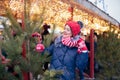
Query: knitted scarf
pixel 80 44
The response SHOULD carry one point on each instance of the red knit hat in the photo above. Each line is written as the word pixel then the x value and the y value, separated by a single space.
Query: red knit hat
pixel 75 27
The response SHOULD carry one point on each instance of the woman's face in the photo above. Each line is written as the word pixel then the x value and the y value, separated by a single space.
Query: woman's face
pixel 67 31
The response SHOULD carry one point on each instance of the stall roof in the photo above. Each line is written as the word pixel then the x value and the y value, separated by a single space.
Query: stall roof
pixel 92 9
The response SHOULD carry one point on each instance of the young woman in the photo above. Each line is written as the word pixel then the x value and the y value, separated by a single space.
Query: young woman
pixel 67 52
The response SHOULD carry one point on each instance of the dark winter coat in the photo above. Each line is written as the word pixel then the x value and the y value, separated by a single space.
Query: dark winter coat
pixel 64 58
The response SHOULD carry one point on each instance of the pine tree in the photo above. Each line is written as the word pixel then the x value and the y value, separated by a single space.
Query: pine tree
pixel 108 56
pixel 14 38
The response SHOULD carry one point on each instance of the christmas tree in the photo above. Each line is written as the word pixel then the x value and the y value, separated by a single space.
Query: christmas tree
pixel 108 56
pixel 20 47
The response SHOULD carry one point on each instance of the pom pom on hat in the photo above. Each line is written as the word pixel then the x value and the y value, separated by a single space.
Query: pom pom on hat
pixel 75 27
pixel 80 23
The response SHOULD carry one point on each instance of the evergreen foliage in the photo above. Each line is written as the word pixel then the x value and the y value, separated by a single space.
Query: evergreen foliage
pixel 108 55
pixel 13 44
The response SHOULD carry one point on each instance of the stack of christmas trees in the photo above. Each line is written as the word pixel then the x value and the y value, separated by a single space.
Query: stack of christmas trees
pixel 108 56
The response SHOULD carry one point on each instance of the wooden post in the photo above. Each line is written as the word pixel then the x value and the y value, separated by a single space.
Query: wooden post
pixel 71 12
pixel 92 54
pixel 25 74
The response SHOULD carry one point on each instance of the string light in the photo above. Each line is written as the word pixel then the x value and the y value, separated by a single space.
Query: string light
pixel 16 5
pixel 58 12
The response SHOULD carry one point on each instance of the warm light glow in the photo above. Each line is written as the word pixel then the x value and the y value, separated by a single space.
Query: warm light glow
pixel 111 29
pixel 16 5
pixel 119 35
pixel 97 26
pixel 0 32
pixel 116 31
pixel 56 11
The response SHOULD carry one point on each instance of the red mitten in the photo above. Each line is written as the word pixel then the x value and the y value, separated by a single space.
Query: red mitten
pixel 39 47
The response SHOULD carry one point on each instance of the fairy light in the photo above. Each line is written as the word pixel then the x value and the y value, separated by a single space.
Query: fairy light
pixel 16 5
pixel 57 12
pixel 119 35
pixel 35 8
